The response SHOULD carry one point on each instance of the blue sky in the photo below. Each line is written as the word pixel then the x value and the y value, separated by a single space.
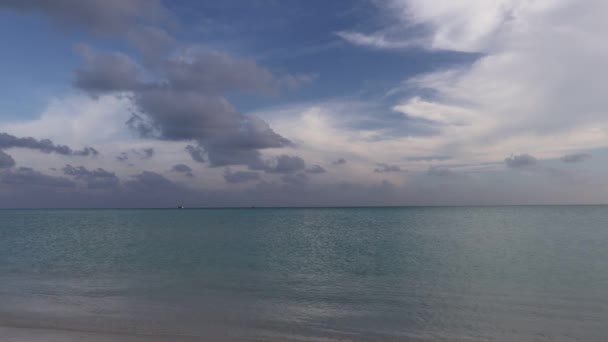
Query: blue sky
pixel 276 34
pixel 427 102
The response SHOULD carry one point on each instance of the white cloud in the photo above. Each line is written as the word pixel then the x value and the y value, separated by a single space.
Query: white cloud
pixel 436 112
pixel 538 87
pixel 315 129
pixel 79 121
pixel 376 40
pixel 464 25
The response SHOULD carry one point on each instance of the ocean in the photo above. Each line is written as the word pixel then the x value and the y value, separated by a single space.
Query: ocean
pixel 536 273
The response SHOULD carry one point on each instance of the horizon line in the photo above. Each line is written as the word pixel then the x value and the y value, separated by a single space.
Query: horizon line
pixel 312 207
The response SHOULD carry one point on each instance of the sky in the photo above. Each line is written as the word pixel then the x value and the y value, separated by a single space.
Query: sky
pixel 150 103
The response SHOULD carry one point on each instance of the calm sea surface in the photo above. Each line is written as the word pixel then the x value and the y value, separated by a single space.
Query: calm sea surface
pixel 365 274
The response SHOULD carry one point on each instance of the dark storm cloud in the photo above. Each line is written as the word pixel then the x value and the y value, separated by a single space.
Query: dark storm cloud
pixel 29 177
pixel 240 176
pixel 44 145
pixel 575 158
pixel 285 164
pixel 94 179
pixel 340 161
pixel 183 169
pixel 6 160
pixel 521 160
pixel 385 168
pixel 316 169
pixel 100 16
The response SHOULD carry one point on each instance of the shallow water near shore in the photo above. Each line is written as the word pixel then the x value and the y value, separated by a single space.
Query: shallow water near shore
pixel 335 274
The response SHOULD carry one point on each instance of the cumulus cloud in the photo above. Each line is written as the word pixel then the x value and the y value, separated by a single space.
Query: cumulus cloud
pixel 44 145
pixel 240 176
pixel 216 73
pixel 575 157
pixel 179 93
pixel 151 42
pixel 183 169
pixel 108 72
pixel 94 179
pixel 188 104
pixel 520 161
pixel 227 136
pixel 384 168
pixel 6 160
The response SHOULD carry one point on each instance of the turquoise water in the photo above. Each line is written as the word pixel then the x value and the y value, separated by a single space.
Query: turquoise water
pixel 419 274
